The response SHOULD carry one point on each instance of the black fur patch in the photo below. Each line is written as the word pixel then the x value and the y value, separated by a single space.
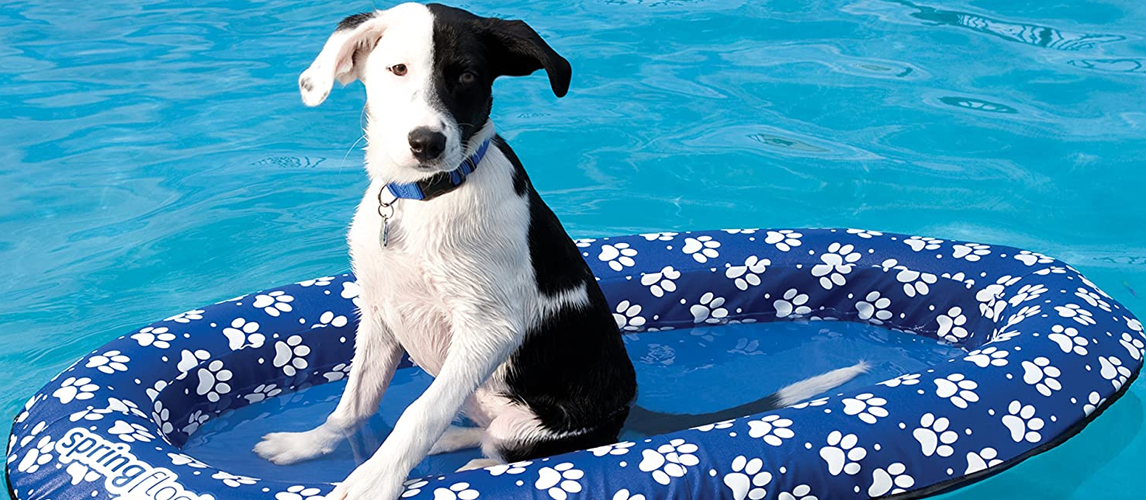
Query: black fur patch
pixel 353 21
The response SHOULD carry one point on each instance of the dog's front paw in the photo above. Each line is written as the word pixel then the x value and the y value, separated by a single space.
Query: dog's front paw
pixel 285 448
pixel 368 482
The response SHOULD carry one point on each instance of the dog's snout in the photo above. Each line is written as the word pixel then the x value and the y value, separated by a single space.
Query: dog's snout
pixel 427 144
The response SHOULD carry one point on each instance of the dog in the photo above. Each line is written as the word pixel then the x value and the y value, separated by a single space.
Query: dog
pixel 462 265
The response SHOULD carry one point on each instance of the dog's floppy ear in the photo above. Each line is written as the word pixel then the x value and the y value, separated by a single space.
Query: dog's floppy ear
pixel 517 50
pixel 342 56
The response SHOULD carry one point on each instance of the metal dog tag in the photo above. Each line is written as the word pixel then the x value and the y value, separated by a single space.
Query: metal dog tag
pixel 386 211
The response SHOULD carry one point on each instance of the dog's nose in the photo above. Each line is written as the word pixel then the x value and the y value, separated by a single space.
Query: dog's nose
pixel 427 144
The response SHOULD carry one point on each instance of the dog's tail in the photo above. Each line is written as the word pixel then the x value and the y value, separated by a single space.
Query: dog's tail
pixel 650 422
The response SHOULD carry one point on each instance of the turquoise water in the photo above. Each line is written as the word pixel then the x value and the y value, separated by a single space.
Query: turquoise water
pixel 154 155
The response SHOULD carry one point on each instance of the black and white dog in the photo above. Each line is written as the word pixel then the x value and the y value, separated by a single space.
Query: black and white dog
pixel 462 265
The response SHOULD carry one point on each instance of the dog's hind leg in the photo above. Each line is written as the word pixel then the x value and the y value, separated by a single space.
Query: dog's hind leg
pixel 458 438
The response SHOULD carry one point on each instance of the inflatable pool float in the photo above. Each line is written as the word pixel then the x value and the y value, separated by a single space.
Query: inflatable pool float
pixel 1045 352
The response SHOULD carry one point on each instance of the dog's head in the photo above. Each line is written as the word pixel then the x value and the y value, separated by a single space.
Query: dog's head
pixel 428 72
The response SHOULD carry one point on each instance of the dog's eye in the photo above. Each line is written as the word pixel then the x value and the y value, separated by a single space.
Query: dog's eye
pixel 467 78
pixel 398 69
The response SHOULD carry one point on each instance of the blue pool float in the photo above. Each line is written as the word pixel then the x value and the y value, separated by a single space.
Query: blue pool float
pixel 1046 352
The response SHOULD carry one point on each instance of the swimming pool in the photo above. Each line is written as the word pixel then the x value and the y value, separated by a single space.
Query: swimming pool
pixel 156 156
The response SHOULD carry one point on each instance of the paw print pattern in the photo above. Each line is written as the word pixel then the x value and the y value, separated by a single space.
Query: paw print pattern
pixel 263 392
pixel 661 282
pixel 37 456
pixel 462 491
pixel 747 480
pixel 328 318
pixel 213 381
pixel 934 436
pixel 952 325
pixel 187 317
pixel 243 333
pixel 958 389
pixel 864 233
pixel 130 432
pixel 623 494
pixel 628 316
pixel 196 419
pixel 1023 423
pixel 873 308
pixel 1031 258
pixel 412 487
pixel 109 362
pixel 1093 401
pixel 668 461
pixel 866 406
pixel 612 449
pixel 709 310
pixel 619 256
pixel 158 337
pixel 909 379
pixel 512 469
pixel 659 236
pixel 989 356
pixel 323 281
pixel 893 480
pixel 792 303
pixel 982 459
pixel 274 303
pixel 1112 370
pixel 1069 340
pixel 970 251
pixel 747 275
pixel 1093 299
pixel 842 454
pixel 1077 313
pixel 701 248
pixel 838 261
pixel 784 239
pixel 772 429
pixel 78 389
pixel 1042 375
pixel 337 372
pixel 1026 293
pixel 801 492
pixel 723 424
pixel 1133 345
pixel 919 243
pixel 290 355
pixel 298 492
pixel 559 481
pixel 233 480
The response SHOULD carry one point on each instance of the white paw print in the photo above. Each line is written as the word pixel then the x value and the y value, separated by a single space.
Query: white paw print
pixel 909 379
pixel 80 389
pixel 659 236
pixel 801 492
pixel 323 281
pixel 701 248
pixel 109 362
pixel 661 282
pixel 747 480
pixel 873 308
pixel 1133 345
pixel 1050 270
pixel 328 318
pixel 1023 423
pixel 792 303
pixel 263 392
pixel 864 233
pixel 784 239
pixel 130 432
pixel 915 282
pixel 585 242
pixel 299 492
pixel 274 303
pixel 837 261
pixel 196 419
pixel 747 275
pixel 289 355
pixel 745 346
pixel 213 381
pixel 1135 325
pixel 612 449
pixel 37 456
pixel 187 361
pixel 842 454
pixel 811 403
pixel 1093 401
pixel 772 429
pixel 459 491
pixel 1092 298
pixel 243 333
pixel 919 243
pixel 162 417
pixel 894 479
pixel 1112 370
pixel 233 480
pixel 724 424
pixel 1027 292
pixel 971 251
pixel 512 469
pixel 1069 340
pixel 412 487
pixel 669 460
pixel 619 256
pixel 868 407
pixel 187 317
pixel 159 337
pixel 934 436
pixel 959 389
pixel 337 372
pixel 559 481
pixel 990 303
pixel 709 310
pixel 982 459
pixel 189 461
pixel 1077 313
pixel 1042 375
pixel 989 356
pixel 623 494
pixel 352 291
pixel 951 325
pixel 741 231
pixel 628 316
pixel 1031 258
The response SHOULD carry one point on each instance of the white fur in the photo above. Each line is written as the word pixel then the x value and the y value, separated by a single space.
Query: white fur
pixel 804 389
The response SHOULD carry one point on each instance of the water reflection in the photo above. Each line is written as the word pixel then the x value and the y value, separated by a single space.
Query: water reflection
pixel 1110 65
pixel 977 105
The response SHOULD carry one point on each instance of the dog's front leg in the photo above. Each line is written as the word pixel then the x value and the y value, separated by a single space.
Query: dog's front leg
pixel 376 356
pixel 481 340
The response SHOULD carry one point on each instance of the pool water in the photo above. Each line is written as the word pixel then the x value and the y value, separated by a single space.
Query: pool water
pixel 154 155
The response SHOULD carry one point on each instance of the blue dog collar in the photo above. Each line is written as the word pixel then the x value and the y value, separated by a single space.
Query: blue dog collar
pixel 437 184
